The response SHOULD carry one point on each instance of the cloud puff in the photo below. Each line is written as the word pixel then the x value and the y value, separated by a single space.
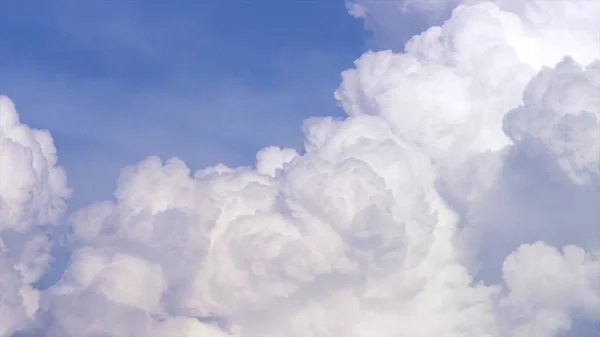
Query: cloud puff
pixel 560 119
pixel 549 26
pixel 393 22
pixel 33 187
pixel 545 185
pixel 546 285
pixel 453 85
pixel 436 208
pixel 32 194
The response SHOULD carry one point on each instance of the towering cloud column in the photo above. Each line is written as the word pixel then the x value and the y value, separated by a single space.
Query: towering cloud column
pixel 32 195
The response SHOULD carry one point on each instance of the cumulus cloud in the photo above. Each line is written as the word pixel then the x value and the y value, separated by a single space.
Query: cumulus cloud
pixel 457 198
pixel 32 194
pixel 33 187
pixel 545 185
pixel 560 117
pixel 392 23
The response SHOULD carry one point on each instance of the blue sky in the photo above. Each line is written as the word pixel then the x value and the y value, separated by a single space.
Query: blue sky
pixel 206 81
pixel 213 81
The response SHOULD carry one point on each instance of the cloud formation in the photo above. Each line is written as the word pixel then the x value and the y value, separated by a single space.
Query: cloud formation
pixel 32 195
pixel 457 198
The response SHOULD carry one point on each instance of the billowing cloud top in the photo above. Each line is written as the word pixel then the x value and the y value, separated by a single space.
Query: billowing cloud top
pixel 32 188
pixel 456 199
pixel 32 194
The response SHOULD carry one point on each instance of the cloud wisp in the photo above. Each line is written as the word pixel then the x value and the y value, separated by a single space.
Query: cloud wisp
pixel 457 198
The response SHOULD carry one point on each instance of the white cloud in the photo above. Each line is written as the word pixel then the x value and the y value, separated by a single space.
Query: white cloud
pixel 393 22
pixel 560 117
pixel 33 188
pixel 32 194
pixel 545 285
pixel 545 186
pixel 457 156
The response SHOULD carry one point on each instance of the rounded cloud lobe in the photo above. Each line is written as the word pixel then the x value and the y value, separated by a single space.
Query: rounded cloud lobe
pixel 33 189
pixel 456 199
pixel 32 195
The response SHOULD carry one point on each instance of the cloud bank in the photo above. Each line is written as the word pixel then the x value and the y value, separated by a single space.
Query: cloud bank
pixel 457 198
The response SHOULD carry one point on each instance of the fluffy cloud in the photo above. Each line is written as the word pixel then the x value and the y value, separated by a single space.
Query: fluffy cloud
pixel 545 185
pixel 560 119
pixel 32 194
pixel 546 285
pixel 32 187
pixel 393 22
pixel 458 198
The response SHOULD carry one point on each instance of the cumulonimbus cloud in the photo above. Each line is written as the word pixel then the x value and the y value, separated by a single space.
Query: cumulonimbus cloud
pixel 435 208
